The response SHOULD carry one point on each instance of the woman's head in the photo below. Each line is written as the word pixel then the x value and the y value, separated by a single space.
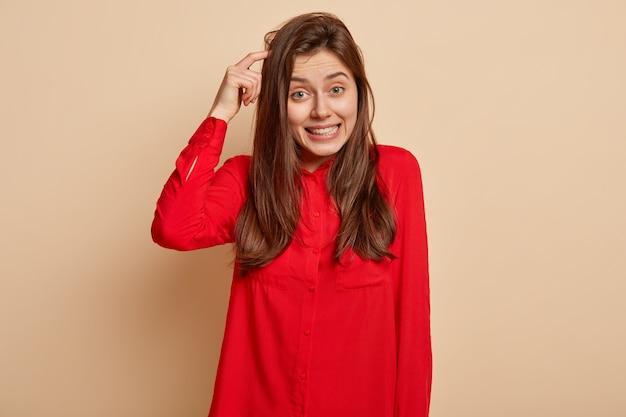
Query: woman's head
pixel 306 37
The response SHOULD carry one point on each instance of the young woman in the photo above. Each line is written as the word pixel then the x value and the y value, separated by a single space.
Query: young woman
pixel 329 306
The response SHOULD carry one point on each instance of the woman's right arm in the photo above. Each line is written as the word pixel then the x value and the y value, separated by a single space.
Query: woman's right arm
pixel 198 206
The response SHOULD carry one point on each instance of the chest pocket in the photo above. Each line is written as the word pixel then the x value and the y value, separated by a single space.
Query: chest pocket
pixel 276 274
pixel 355 273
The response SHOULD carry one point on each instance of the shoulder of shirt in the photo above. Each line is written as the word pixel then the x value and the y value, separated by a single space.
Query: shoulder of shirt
pixel 395 159
pixel 399 171
pixel 237 165
pixel 240 159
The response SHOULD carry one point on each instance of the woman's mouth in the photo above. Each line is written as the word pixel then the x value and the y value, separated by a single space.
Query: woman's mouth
pixel 323 131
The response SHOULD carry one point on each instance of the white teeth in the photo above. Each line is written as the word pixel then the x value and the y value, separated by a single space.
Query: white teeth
pixel 325 131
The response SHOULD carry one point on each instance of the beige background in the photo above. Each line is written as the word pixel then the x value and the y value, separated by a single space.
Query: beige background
pixel 516 110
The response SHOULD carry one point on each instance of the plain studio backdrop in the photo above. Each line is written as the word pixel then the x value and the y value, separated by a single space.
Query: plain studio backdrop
pixel 515 109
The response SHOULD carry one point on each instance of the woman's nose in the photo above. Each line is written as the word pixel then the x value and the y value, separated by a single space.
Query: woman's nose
pixel 321 109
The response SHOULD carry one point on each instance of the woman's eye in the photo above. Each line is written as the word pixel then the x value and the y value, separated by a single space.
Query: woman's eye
pixel 337 90
pixel 298 95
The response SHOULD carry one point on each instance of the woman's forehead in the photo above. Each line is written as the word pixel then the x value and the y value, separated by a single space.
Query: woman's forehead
pixel 323 63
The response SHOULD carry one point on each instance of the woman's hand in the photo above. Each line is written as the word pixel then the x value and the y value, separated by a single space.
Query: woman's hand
pixel 240 85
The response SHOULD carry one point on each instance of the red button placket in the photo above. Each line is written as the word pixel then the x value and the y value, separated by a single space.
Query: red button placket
pixel 312 210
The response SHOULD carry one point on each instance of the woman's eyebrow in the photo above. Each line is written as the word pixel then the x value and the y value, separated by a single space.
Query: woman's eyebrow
pixel 328 77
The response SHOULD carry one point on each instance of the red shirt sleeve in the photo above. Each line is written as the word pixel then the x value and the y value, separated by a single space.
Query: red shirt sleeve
pixel 411 291
pixel 198 206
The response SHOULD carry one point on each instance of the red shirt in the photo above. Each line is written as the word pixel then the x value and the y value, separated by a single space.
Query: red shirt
pixel 307 336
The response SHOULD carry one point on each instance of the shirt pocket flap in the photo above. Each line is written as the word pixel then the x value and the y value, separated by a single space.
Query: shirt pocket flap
pixel 354 273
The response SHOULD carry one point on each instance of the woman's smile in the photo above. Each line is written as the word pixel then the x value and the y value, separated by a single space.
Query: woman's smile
pixel 322 133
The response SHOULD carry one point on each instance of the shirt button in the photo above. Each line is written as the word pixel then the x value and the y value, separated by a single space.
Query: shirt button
pixel 316 250
pixel 307 332
pixel 316 214
pixel 303 375
pixel 311 288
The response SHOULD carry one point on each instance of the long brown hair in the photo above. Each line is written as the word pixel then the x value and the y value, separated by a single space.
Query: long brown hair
pixel 268 220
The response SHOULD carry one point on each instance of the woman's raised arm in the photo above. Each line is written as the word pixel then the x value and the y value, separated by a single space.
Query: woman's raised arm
pixel 198 206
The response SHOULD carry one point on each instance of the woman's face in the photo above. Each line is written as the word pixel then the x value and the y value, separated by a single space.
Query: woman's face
pixel 321 106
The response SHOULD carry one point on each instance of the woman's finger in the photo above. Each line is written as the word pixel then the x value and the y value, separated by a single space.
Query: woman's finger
pixel 251 58
pixel 246 80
